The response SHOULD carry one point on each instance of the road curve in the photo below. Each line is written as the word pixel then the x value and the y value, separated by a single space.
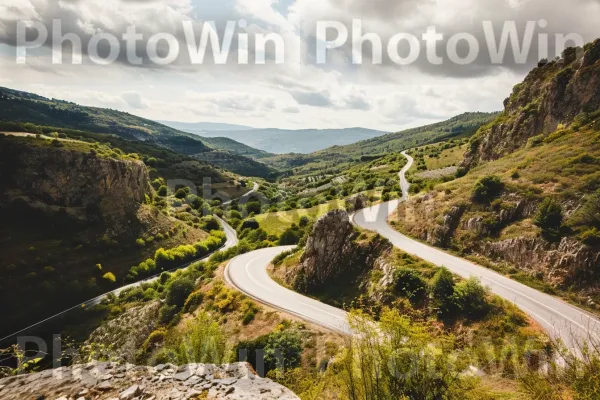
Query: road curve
pixel 560 320
pixel 248 273
pixel 245 196
pixel 232 240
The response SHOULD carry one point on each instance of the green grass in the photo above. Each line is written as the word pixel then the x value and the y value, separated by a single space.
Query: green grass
pixel 277 223
pixel 447 158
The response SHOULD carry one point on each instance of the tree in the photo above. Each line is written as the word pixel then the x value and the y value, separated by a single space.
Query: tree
pixel 408 283
pixel 487 188
pixel 290 236
pixel 549 218
pixel 178 291
pixel 253 207
pixel 250 224
pixel 442 292
pixel 471 299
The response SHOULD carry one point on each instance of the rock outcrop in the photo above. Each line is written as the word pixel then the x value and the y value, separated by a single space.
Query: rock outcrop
pixel 334 249
pixel 125 334
pixel 564 263
pixel 126 382
pixel 78 184
pixel 552 94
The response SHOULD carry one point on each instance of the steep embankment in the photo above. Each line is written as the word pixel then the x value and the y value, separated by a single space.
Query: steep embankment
pixel 75 217
pixel 551 96
pixel 529 203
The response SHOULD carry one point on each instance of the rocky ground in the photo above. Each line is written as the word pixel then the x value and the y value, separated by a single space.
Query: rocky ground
pixel 99 380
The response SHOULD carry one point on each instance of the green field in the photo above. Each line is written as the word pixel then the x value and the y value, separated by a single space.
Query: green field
pixel 277 223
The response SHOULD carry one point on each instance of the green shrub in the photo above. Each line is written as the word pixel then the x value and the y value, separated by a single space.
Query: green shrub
pixel 487 188
pixel 164 277
pixel 290 236
pixel 471 299
pixel 167 313
pixel 591 237
pixel 442 293
pixel 304 221
pixel 193 301
pixel 250 224
pixel 155 338
pixel 178 291
pixel 549 218
pixel 162 191
pixel 410 284
pixel 140 242
pixel 282 256
pixel 109 276
pixel 287 343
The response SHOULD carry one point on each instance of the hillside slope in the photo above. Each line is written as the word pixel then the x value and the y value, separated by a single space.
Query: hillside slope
pixel 336 158
pixel 529 204
pixel 77 215
pixel 19 108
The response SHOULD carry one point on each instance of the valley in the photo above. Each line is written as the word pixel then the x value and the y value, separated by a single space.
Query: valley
pixel 467 249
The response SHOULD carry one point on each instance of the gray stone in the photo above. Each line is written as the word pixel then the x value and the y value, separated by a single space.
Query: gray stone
pixel 131 393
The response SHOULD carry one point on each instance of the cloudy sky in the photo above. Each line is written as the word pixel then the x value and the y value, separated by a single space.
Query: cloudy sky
pixel 299 93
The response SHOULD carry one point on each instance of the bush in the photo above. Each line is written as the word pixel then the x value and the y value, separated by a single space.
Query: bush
pixel 287 343
pixel 167 313
pixel 140 242
pixel 471 299
pixel 181 193
pixel 591 237
pixel 178 291
pixel 549 218
pixel 250 224
pixel 304 221
pixel 487 188
pixel 109 276
pixel 410 284
pixel 442 292
pixel 162 191
pixel 281 256
pixel 193 301
pixel 155 338
pixel 290 236
pixel 253 207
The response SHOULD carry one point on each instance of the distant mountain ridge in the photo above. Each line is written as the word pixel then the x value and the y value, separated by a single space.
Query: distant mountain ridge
pixel 280 141
pixel 197 127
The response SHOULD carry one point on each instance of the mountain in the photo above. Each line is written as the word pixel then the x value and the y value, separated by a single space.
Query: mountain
pixel 18 108
pixel 282 141
pixel 230 145
pixel 529 201
pixel 338 157
pixel 200 127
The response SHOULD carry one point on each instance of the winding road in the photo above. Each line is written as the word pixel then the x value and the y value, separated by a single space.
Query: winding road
pixel 561 320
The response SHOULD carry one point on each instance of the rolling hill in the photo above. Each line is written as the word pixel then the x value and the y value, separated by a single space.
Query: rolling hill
pixel 17 108
pixel 339 157
pixel 281 141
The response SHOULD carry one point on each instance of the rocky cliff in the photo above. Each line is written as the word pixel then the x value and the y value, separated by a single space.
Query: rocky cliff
pixel 552 95
pixel 125 381
pixel 335 250
pixel 74 183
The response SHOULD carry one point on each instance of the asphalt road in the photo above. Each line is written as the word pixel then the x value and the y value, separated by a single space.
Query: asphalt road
pixel 242 199
pixel 560 319
pixel 248 273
